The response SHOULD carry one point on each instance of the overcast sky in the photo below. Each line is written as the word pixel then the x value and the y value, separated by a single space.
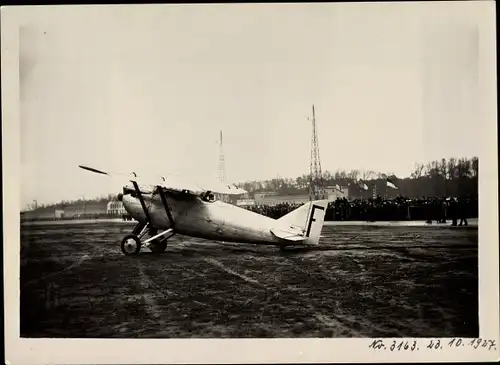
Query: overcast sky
pixel 147 88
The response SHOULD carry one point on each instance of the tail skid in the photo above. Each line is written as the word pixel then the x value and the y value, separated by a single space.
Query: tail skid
pixel 302 225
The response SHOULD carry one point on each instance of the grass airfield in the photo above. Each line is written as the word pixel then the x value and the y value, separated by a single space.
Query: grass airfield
pixel 364 280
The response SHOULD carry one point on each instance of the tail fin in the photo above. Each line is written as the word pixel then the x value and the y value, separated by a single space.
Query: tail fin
pixel 305 222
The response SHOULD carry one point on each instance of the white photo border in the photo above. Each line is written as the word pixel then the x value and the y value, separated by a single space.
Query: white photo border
pixel 129 351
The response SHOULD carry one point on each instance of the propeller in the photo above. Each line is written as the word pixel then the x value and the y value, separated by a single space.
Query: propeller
pixel 93 170
pixel 175 181
pixel 172 180
pixel 109 173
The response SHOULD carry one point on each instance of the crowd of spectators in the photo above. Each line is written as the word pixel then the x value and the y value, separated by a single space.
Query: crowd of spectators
pixel 401 208
pixel 274 211
pixel 430 209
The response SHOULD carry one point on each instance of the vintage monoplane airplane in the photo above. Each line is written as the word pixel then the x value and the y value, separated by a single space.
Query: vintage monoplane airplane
pixel 171 206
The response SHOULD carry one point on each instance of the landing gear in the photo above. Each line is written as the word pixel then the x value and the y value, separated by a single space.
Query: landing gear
pixel 157 243
pixel 157 246
pixel 131 245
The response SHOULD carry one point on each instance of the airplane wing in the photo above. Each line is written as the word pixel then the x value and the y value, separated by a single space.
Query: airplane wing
pixel 174 182
pixel 216 186
pixel 179 183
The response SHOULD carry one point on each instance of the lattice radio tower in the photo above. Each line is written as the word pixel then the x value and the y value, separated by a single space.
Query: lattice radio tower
pixel 316 186
pixel 222 163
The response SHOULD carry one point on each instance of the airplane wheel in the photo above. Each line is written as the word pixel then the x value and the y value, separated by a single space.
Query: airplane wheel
pixel 158 247
pixel 131 245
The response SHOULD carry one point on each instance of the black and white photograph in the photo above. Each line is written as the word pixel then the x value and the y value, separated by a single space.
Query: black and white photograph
pixel 314 172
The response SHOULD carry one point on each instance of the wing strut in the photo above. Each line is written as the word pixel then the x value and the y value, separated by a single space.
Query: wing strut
pixel 165 204
pixel 141 199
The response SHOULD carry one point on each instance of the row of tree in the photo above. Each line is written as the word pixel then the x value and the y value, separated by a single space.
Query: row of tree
pixel 82 201
pixel 445 177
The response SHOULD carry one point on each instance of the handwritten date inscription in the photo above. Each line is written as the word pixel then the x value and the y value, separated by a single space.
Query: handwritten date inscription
pixel 414 345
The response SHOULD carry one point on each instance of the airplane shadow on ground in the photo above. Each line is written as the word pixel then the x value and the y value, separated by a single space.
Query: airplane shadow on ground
pixel 270 252
pixel 186 248
pixel 204 253
pixel 220 249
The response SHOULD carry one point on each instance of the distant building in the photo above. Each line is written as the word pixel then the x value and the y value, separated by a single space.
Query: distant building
pixel 222 197
pixel 337 192
pixel 115 208
pixel 272 198
pixel 245 202
pixel 58 214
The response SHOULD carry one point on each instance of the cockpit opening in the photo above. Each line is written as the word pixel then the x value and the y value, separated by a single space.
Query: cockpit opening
pixel 207 196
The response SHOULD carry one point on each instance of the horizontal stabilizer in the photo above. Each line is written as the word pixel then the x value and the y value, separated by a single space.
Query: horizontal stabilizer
pixel 285 235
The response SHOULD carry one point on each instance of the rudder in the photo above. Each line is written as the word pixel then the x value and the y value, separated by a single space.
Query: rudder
pixel 309 218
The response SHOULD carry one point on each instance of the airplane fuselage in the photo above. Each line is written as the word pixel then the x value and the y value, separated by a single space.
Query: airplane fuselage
pixel 214 220
pixel 179 207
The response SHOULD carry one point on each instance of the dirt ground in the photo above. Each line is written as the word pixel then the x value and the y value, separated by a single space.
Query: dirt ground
pixel 363 281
